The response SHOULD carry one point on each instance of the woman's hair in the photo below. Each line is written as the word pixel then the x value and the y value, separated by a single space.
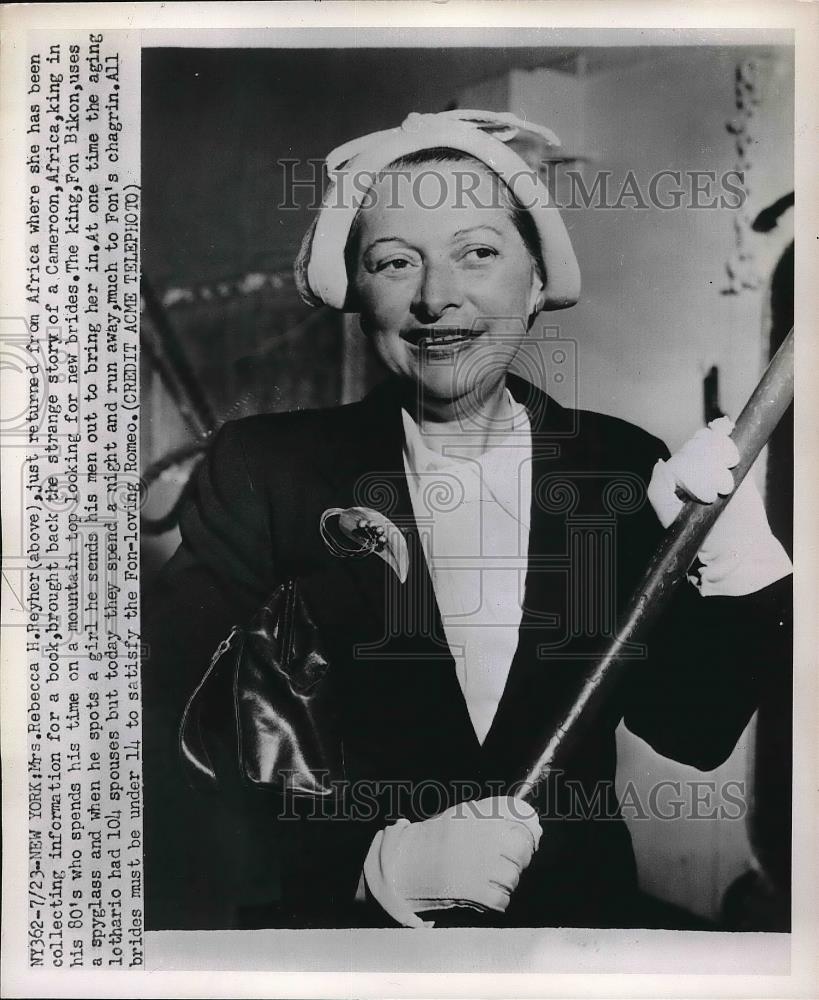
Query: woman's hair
pixel 521 218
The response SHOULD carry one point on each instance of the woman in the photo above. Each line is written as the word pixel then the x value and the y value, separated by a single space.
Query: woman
pixel 455 653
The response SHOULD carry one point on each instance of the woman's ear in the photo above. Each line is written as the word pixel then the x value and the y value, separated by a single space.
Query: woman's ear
pixel 535 296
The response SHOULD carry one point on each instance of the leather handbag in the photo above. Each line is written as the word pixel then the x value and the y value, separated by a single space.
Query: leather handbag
pixel 264 713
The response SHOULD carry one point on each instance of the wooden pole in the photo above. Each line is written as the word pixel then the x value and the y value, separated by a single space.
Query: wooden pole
pixel 762 412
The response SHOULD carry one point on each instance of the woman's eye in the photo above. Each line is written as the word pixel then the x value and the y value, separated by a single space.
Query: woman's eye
pixel 480 253
pixel 394 264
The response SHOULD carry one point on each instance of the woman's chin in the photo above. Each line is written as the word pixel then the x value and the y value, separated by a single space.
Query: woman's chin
pixel 444 384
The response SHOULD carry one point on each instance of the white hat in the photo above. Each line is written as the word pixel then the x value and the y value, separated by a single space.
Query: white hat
pixel 320 270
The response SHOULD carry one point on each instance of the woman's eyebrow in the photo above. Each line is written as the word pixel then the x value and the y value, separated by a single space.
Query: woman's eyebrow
pixel 456 235
pixel 386 239
pixel 472 229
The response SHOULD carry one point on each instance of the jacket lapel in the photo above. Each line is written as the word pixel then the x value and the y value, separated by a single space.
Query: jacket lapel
pixel 403 673
pixel 522 701
pixel 367 470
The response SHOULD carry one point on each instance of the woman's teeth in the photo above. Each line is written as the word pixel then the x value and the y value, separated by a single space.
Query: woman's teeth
pixel 448 337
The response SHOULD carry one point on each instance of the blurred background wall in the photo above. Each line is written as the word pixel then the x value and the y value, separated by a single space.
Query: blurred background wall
pixel 669 295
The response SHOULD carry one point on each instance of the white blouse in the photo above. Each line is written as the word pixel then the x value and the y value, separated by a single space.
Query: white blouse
pixel 473 511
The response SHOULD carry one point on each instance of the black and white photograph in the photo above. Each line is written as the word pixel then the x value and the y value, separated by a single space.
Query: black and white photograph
pixel 442 344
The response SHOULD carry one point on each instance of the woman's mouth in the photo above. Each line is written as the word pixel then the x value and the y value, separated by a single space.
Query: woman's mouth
pixel 441 339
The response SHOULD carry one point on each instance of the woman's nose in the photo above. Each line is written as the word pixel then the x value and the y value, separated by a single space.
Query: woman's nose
pixel 438 291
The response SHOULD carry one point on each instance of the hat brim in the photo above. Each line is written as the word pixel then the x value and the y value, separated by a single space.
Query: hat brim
pixel 321 273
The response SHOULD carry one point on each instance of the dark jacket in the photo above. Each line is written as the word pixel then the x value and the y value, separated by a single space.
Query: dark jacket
pixel 408 744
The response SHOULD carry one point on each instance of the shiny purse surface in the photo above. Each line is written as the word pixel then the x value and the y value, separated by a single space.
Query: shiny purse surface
pixel 264 711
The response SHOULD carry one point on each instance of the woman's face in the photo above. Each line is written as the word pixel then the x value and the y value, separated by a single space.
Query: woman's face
pixel 443 280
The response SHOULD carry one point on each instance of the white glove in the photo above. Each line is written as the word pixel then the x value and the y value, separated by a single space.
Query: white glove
pixel 740 554
pixel 469 855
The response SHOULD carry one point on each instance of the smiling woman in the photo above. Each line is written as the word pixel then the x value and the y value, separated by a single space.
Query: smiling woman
pixel 523 527
pixel 446 293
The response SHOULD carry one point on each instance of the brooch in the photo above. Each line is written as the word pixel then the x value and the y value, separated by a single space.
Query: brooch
pixel 369 531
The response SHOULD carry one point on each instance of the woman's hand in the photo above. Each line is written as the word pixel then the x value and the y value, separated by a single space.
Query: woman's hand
pixel 740 555
pixel 469 855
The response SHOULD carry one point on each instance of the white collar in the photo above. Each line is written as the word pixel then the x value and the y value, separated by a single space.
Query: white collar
pixel 421 458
